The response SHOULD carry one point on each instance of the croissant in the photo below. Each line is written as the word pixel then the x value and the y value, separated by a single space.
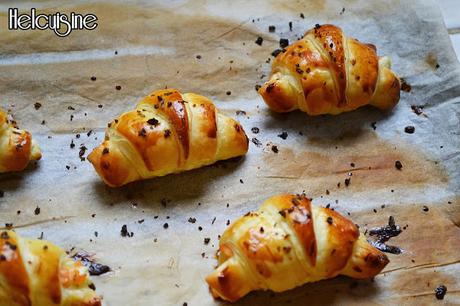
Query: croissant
pixel 16 146
pixel 35 272
pixel 168 132
pixel 287 243
pixel 327 72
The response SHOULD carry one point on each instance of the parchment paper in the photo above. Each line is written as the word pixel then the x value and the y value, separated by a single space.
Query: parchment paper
pixel 146 45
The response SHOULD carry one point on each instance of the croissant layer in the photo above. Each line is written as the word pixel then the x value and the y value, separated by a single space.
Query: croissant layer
pixel 17 148
pixel 327 72
pixel 287 243
pixel 168 132
pixel 36 272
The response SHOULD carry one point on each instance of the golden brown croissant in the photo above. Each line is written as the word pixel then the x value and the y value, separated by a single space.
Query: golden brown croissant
pixel 16 146
pixel 167 132
pixel 35 272
pixel 287 243
pixel 327 72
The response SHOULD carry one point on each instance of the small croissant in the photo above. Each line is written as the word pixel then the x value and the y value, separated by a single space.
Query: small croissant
pixel 17 148
pixel 287 243
pixel 35 272
pixel 327 72
pixel 168 132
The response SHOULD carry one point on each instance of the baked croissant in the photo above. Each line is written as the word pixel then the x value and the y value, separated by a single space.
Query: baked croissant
pixel 287 243
pixel 327 72
pixel 16 146
pixel 168 132
pixel 35 272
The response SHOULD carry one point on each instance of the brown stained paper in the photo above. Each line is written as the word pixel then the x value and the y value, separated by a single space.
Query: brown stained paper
pixel 147 45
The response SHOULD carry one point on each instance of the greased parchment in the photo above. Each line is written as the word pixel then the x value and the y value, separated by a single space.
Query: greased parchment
pixel 209 48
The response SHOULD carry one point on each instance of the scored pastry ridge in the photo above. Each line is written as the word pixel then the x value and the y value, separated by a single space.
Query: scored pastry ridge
pixel 327 72
pixel 287 243
pixel 37 272
pixel 17 148
pixel 168 132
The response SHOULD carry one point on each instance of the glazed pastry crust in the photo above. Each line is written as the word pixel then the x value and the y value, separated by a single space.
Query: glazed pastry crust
pixel 327 72
pixel 287 243
pixel 38 273
pixel 17 148
pixel 168 132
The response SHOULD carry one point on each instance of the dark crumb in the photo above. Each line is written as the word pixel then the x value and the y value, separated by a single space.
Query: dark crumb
pixel 425 208
pixel 418 110
pixel 200 228
pixel 437 66
pixel 384 234
pixel 37 210
pixel 228 92
pixel 37 105
pixel 72 144
pixel 329 220
pixel 398 165
pixel 343 11
pixel 191 220
pixel 118 87
pixel 405 86
pixel 302 16
pixel 352 165
pixel 198 56
pixel 206 240
pixel 184 304
pixel 275 149
pixel 167 133
pixel 373 125
pixel 255 130
pixel 440 292
pixel 43 122
pixel 241 181
pixel 256 142
pixel 283 135
pixel 94 268
pixel 93 78
pixel 82 152
pixel 240 112
pixel 257 87
pixel 259 41
pixel 153 122
pixel 124 231
pixel 409 129
pixel 290 25
pixel 276 52
pixel 347 182
pixel 165 226
pixel 271 28
pixel 284 42
pixel 100 106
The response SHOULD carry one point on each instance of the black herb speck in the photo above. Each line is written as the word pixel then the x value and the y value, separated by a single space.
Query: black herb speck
pixel 329 220
pixel 284 42
pixel 118 87
pixel 259 41
pixel 440 292
pixel 398 165
pixel 425 208
pixel 275 149
pixel 271 28
pixel 255 130
pixel 256 142
pixel 37 210
pixel 283 135
pixel 409 129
